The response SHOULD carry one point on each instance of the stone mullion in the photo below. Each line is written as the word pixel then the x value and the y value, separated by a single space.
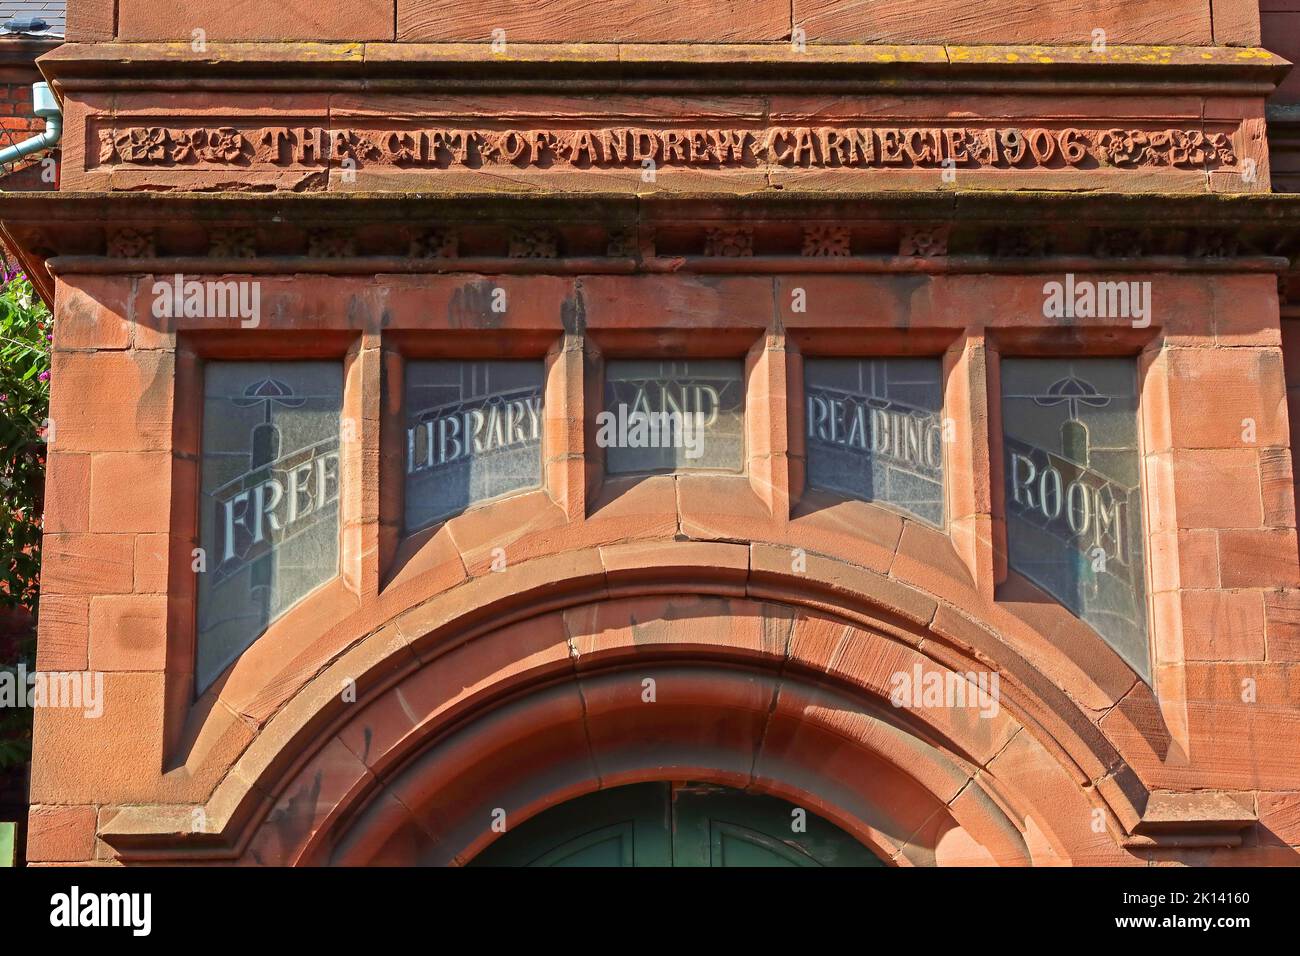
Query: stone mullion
pixel 1160 542
pixel 568 472
pixel 392 455
pixel 360 456
pixel 766 425
pixel 971 458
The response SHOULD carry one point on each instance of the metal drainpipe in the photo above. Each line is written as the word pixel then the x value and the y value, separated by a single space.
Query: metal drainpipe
pixel 46 106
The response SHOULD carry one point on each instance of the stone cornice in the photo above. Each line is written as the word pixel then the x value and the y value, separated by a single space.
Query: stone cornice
pixel 789 231
pixel 628 67
pixel 989 206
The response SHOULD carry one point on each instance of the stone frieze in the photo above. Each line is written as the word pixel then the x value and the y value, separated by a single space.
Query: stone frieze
pixel 642 147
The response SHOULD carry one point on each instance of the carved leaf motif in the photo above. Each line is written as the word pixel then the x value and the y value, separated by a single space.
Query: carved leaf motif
pixel 621 243
pixel 730 241
pixel 357 146
pixel 107 148
pixel 128 243
pixel 401 148
pixel 533 244
pixel 145 144
pixel 180 144
pixel 1222 144
pixel 434 244
pixel 224 145
pixel 980 148
pixel 1124 147
pixel 924 241
pixel 826 241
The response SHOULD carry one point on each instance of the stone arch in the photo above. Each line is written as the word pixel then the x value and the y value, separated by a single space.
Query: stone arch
pixel 751 694
pixel 798 667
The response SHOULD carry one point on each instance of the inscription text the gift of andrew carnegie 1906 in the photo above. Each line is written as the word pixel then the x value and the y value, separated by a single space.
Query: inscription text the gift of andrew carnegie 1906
pixel 633 147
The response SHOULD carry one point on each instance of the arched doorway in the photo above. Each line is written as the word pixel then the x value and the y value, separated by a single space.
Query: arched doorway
pixel 677 824
pixel 507 716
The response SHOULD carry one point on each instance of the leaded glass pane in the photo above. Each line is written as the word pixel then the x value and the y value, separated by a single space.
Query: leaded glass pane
pixel 473 432
pixel 269 513
pixel 875 431
pixel 673 415
pixel 1073 495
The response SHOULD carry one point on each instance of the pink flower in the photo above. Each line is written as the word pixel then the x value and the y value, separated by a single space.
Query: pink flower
pixel 44 376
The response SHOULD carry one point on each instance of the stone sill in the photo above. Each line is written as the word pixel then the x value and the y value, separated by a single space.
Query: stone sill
pixel 1196 819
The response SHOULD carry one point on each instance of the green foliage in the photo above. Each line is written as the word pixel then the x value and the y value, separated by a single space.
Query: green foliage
pixel 24 405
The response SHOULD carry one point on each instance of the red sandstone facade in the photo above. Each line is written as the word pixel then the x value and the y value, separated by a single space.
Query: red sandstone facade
pixel 381 171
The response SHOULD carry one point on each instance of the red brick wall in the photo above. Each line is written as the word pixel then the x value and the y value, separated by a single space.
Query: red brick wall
pixel 16 108
pixel 17 123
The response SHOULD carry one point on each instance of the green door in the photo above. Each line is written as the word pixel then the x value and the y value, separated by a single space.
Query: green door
pixel 660 824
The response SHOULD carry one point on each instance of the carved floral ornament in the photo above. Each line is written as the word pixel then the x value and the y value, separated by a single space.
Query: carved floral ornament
pixel 518 241
pixel 634 147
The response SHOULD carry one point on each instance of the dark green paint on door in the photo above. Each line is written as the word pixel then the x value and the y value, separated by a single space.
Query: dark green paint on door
pixel 659 824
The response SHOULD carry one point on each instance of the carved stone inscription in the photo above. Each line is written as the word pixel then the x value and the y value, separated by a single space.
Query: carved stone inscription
pixel 827 147
pixel 1073 497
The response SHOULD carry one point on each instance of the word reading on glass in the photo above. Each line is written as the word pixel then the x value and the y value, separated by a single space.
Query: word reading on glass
pixel 906 436
pixel 875 431
pixel 269 511
pixel 1077 505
